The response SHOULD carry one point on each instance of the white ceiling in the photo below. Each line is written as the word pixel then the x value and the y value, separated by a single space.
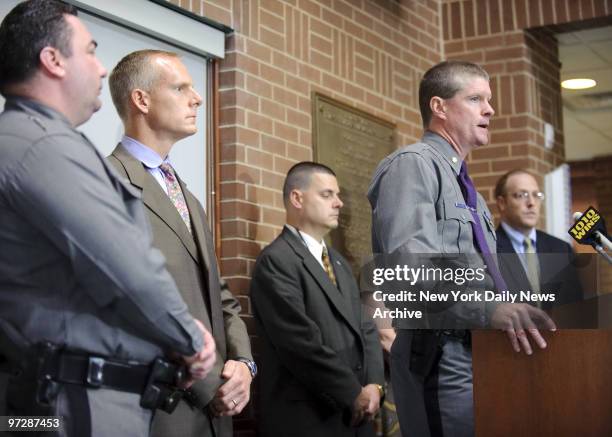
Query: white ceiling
pixel 587 53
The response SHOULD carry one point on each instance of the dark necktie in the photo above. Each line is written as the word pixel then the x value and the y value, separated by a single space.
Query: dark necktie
pixel 175 193
pixel 328 267
pixel 480 242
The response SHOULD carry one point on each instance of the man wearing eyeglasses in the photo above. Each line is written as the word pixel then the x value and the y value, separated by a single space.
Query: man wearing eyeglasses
pixel 531 259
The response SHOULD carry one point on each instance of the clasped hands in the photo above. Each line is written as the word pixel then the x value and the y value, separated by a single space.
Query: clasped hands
pixel 366 404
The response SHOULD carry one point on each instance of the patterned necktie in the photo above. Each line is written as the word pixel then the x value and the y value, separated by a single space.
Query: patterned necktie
pixel 327 266
pixel 175 193
pixel 480 242
pixel 533 268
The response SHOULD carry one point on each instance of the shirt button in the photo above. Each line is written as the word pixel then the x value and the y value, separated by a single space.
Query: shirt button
pixel 454 159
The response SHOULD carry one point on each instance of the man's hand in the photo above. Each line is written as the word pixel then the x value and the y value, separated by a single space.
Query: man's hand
pixel 234 394
pixel 366 404
pixel 201 363
pixel 515 319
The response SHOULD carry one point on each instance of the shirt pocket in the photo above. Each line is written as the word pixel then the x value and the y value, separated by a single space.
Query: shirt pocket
pixel 456 228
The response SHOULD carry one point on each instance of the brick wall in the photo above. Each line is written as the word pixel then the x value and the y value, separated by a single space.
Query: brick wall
pixel 366 53
pixel 369 54
pixel 514 41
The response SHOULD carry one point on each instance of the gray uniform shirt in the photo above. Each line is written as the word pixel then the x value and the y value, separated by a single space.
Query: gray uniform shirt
pixel 76 263
pixel 418 207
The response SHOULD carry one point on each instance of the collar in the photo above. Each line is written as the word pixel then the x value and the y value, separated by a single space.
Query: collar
pixel 517 237
pixel 445 149
pixel 35 107
pixel 144 154
pixel 315 247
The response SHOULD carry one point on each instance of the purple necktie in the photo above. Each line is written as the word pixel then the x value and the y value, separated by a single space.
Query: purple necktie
pixel 469 194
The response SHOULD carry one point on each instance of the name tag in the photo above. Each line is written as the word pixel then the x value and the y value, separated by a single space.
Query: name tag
pixel 464 206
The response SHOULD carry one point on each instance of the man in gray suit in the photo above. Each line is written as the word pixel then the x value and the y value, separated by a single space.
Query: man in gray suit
pixel 424 202
pixel 154 96
pixel 321 360
pixel 86 305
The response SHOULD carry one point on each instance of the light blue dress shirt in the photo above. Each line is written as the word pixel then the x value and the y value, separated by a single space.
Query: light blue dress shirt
pixel 517 239
pixel 149 158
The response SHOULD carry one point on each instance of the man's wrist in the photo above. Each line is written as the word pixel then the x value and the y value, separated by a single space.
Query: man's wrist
pixel 250 365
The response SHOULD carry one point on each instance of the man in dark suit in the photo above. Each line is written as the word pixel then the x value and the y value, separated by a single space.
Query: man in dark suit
pixel 531 259
pixel 153 94
pixel 321 361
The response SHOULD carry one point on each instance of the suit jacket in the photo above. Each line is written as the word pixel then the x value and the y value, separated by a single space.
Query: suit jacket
pixel 190 259
pixel 317 349
pixel 557 272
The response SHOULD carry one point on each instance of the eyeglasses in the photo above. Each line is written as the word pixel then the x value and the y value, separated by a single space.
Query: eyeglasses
pixel 524 195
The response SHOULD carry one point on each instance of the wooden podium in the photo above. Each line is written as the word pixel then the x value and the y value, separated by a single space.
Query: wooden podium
pixel 563 390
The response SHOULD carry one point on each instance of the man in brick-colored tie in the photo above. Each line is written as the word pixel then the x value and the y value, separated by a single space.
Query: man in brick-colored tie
pixel 322 371
pixel 154 96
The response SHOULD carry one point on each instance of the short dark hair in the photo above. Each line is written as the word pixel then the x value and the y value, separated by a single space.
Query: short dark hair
pixel 500 186
pixel 299 177
pixel 25 31
pixel 445 80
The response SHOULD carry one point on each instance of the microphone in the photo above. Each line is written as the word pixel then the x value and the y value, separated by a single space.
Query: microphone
pixel 590 228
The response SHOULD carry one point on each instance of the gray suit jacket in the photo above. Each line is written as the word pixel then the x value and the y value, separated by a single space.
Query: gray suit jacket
pixel 190 259
pixel 318 350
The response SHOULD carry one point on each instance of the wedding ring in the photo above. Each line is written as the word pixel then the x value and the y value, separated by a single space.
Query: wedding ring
pixel 235 403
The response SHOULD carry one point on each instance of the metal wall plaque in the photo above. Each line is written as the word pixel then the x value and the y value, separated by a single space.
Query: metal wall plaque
pixel 352 143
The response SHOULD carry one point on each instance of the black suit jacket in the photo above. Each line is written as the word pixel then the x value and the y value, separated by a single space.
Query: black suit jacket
pixel 557 272
pixel 317 351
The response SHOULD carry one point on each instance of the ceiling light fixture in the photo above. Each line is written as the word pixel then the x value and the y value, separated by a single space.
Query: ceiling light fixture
pixel 578 84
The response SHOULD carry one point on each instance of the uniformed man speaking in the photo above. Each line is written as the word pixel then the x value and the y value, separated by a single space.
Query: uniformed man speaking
pixel 424 202
pixel 87 308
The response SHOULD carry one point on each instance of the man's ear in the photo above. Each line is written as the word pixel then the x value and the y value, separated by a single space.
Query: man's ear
pixel 141 100
pixel 52 62
pixel 438 107
pixel 501 204
pixel 296 198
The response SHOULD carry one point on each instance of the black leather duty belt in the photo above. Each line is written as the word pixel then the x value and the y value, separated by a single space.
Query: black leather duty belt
pixel 156 382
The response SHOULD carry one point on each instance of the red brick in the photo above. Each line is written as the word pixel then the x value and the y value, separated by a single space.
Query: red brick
pixel 273 216
pixel 259 123
pixel 272 109
pixel 520 9
pixel 240 172
pixel 260 159
pixel 232 152
pixel 232 247
pixel 273 74
pixel 494 16
pixel 230 116
pixel 298 119
pixel 285 132
pixel 285 97
pixel 272 180
pixel 310 7
pixel 309 73
pixel 273 6
pixel 273 145
pixel 504 54
pixel 232 190
pixel 320 61
pixel 331 82
pixel 586 9
pixel 258 87
pixel 271 21
pixel 285 63
pixel 260 232
pixel 247 136
pixel 490 152
pixel 259 195
pixel 240 209
pixel 507 16
pixel 511 164
pixel 332 18
pixel 299 153
pixel 233 228
pixel 364 80
pixel 320 44
pixel 481 18
pixel 258 51
pixel 273 39
pixel 320 28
